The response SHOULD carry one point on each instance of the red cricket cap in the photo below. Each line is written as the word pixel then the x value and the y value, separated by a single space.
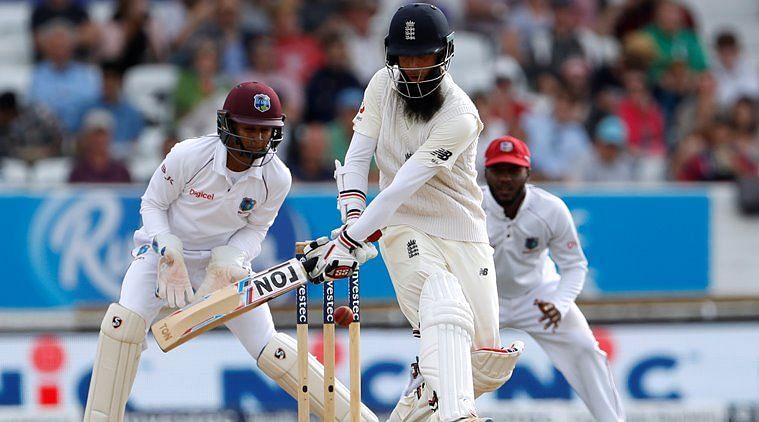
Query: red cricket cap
pixel 507 149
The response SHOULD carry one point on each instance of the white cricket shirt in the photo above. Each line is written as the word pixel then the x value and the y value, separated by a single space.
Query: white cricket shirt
pixel 542 224
pixel 448 205
pixel 192 195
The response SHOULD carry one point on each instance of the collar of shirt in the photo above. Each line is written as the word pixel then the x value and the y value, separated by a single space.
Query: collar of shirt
pixel 220 164
pixel 497 209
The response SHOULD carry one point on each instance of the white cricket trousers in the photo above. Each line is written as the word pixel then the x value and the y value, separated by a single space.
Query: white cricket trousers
pixel 411 256
pixel 253 329
pixel 572 348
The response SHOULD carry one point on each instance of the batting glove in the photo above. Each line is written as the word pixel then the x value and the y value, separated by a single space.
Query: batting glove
pixel 173 283
pixel 327 260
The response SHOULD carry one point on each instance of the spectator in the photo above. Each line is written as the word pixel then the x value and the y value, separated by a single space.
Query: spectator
pixel 201 81
pixel 184 20
pixel 686 148
pixel 645 124
pixel 674 41
pixel 735 77
pixel 557 140
pixel 720 159
pixel 222 24
pixel 505 99
pixel 485 16
pixel 200 92
pixel 525 20
pixel 59 83
pixel 575 75
pixel 494 128
pixel 94 163
pixel 549 48
pixel 676 85
pixel 608 161
pixel 299 53
pixel 130 37
pixel 633 15
pixel 334 76
pixel 743 118
pixel 129 121
pixel 309 154
pixel 70 11
pixel 340 129
pixel 364 44
pixel 262 67
pixel 28 133
pixel 700 109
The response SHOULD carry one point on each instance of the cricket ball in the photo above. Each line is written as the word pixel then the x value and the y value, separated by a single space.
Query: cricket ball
pixel 343 316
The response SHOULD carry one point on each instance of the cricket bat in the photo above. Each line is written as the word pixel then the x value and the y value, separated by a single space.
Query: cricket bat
pixel 226 303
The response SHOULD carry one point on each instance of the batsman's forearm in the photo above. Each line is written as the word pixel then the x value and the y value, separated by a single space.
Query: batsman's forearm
pixel 410 177
pixel 358 160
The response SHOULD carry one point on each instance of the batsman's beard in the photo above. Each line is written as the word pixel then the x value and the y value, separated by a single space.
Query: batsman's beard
pixel 422 109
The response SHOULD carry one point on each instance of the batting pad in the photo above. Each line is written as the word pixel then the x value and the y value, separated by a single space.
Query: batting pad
pixel 279 360
pixel 491 368
pixel 447 325
pixel 119 347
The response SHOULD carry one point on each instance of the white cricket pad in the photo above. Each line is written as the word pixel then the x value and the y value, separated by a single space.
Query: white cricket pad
pixel 118 355
pixel 279 360
pixel 491 368
pixel 447 325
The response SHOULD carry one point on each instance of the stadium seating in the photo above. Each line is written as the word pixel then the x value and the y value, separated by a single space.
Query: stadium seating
pixel 149 87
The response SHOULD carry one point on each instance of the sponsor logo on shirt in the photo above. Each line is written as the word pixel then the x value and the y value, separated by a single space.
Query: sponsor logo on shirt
pixel 201 194
pixel 441 153
pixel 484 271
pixel 166 177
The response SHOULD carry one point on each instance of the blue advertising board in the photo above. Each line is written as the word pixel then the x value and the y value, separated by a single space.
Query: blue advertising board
pixel 71 247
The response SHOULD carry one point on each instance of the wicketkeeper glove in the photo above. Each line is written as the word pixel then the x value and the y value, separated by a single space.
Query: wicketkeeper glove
pixel 173 283
pixel 227 266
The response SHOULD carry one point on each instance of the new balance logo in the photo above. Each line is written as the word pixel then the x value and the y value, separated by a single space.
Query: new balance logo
pixel 483 271
pixel 412 249
pixel 442 154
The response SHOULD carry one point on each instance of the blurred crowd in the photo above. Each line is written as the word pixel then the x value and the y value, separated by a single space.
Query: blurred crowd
pixel 601 90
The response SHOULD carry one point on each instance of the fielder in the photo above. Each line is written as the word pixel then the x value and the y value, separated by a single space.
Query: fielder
pixel 205 213
pixel 422 130
pixel 525 223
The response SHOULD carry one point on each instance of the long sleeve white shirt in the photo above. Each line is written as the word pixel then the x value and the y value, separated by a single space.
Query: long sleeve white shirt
pixel 427 174
pixel 192 195
pixel 542 224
